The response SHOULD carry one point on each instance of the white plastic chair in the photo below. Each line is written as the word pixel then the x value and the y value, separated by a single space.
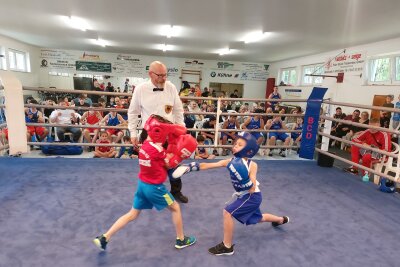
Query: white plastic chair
pixel 386 164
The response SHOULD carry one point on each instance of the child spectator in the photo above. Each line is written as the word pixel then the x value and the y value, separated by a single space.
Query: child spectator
pixel 91 117
pixel 201 152
pixel 104 151
pixel 127 152
pixel 114 119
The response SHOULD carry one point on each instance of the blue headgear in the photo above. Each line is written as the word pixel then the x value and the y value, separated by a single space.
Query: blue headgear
pixel 251 147
pixel 386 185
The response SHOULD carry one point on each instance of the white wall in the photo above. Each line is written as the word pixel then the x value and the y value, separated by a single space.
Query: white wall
pixel 26 78
pixel 353 89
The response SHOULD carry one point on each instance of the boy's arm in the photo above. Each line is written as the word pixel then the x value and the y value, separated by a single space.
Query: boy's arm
pixel 253 176
pixel 211 165
pixel 179 171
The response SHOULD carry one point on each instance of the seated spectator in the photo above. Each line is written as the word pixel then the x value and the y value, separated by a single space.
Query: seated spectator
pixel 364 119
pixel 296 137
pixel 230 123
pixel 342 129
pixel 194 107
pixel 128 152
pixel 32 115
pixel 67 117
pixel 235 94
pixel 201 152
pixel 373 138
pixel 255 122
pixel 80 103
pixel 114 119
pixel 104 151
pixel 189 120
pixel 277 124
pixel 210 124
pixel 296 110
pixel 47 111
pixel 338 115
pixel 91 117
pixel 121 104
pixel 396 116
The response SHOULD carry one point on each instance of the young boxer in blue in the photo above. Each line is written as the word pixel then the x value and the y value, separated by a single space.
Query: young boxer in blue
pixel 246 207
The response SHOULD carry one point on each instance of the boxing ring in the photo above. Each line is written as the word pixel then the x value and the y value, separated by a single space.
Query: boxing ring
pixel 53 207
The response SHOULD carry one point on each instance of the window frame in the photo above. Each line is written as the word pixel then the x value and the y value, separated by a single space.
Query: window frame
pixel 291 69
pixel 25 58
pixel 370 66
pixel 319 66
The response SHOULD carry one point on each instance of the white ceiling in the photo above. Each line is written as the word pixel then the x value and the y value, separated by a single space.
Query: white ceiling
pixel 299 27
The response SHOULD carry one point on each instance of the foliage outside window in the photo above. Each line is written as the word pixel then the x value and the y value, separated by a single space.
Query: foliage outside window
pixel 18 60
pixel 312 69
pixel 289 76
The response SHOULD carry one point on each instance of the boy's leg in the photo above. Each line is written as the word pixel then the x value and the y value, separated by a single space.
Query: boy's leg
pixel 121 222
pixel 102 240
pixel 266 217
pixel 182 241
pixel 229 226
pixel 177 219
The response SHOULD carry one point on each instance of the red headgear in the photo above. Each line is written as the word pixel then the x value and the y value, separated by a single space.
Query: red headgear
pixel 157 128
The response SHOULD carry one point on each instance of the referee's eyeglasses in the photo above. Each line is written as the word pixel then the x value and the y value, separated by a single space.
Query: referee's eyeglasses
pixel 162 75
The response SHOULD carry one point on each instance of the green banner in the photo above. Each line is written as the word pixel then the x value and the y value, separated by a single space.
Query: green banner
pixel 93 66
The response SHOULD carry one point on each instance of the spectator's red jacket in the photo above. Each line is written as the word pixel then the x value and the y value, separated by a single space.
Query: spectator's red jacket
pixel 378 139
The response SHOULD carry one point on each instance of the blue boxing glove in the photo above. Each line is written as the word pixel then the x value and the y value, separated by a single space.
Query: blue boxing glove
pixel 183 169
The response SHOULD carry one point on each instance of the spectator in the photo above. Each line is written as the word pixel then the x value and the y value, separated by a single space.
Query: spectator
pixel 65 116
pixel 230 123
pixel 296 137
pixel 274 95
pixel 205 92
pixel 396 116
pixel 126 85
pixel 128 152
pixel 91 117
pixel 235 94
pixel 104 151
pixel 386 115
pixel 194 107
pixel 277 124
pixel 201 152
pixel 81 103
pixel 338 115
pixel 372 138
pixel 32 115
pixel 342 129
pixel 114 119
pixel 189 120
pixel 255 122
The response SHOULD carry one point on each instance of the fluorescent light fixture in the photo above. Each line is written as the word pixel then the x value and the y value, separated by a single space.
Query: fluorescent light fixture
pixel 171 31
pixel 77 23
pixel 164 47
pixel 100 42
pixel 224 51
pixel 255 36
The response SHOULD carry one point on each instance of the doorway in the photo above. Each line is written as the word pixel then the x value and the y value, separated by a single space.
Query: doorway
pixel 227 88
pixel 379 100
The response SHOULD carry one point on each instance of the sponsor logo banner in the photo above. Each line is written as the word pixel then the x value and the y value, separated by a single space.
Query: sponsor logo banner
pixel 93 66
pixel 346 63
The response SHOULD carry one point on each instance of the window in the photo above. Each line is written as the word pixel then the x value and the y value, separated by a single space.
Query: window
pixel 289 76
pixel 18 60
pixel 313 69
pixel 55 73
pixel 2 58
pixel 380 70
pixel 397 69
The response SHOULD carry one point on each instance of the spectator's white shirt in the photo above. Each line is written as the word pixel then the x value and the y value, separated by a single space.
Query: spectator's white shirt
pixel 146 102
pixel 64 118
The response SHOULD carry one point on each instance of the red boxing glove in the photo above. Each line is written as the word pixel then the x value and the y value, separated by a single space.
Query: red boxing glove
pixel 173 137
pixel 185 146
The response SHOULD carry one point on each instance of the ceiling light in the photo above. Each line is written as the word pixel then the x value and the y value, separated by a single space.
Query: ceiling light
pixel 76 23
pixel 164 47
pixel 171 31
pixel 255 36
pixel 224 51
pixel 100 42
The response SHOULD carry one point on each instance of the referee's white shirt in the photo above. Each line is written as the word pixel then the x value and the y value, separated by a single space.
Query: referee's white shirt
pixel 145 102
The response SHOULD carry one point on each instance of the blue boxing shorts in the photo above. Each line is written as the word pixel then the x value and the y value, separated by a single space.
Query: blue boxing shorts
pixel 246 209
pixel 279 136
pixel 256 135
pixel 148 196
